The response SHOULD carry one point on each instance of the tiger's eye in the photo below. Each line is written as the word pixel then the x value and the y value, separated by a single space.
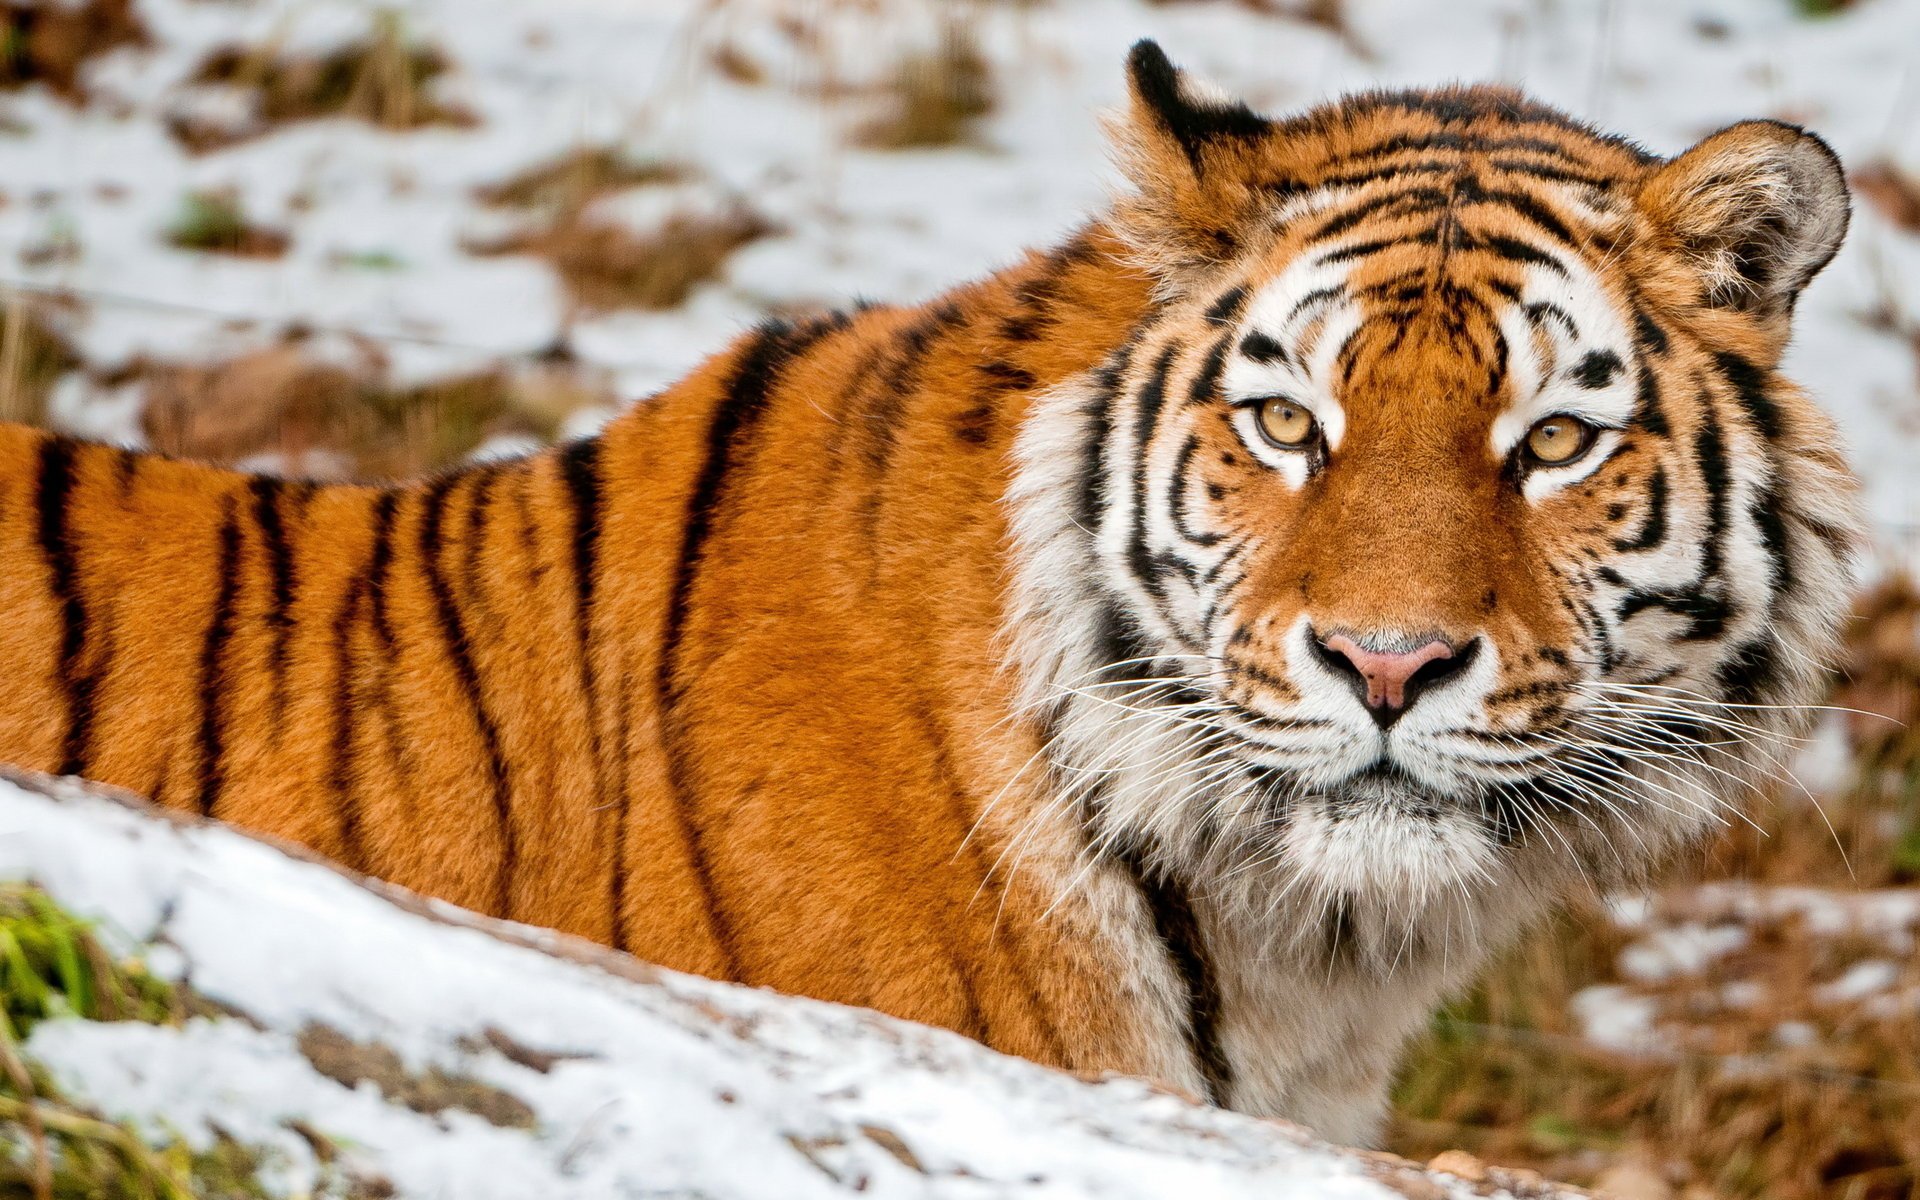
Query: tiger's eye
pixel 1559 440
pixel 1285 423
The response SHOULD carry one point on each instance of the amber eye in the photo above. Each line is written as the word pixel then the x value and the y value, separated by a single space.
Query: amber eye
pixel 1558 440
pixel 1285 423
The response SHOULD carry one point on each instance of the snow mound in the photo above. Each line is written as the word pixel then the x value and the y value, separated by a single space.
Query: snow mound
pixel 448 1054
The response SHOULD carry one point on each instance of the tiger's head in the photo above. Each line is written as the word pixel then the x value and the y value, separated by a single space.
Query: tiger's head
pixel 1445 526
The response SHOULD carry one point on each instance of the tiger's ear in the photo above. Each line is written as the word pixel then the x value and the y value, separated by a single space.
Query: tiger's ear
pixel 1187 152
pixel 1759 208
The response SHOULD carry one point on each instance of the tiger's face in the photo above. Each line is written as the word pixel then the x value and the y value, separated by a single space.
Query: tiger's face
pixel 1451 523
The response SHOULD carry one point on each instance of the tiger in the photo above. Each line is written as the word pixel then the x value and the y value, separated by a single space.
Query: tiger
pixel 1187 653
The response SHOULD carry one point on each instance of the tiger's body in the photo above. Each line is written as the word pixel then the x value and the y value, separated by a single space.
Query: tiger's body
pixel 861 664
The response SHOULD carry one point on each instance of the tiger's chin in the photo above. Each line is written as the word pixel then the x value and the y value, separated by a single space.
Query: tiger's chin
pixel 1383 839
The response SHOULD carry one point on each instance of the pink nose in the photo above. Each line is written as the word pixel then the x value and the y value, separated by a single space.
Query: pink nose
pixel 1387 675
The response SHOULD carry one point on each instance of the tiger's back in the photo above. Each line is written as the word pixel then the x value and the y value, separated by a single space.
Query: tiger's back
pixel 708 688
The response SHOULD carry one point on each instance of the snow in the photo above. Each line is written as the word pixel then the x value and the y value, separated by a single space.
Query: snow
pixel 1613 1017
pixel 1890 914
pixel 1706 957
pixel 899 226
pixel 1688 948
pixel 666 1084
pixel 1861 980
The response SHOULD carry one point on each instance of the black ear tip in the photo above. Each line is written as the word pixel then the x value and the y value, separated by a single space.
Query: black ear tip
pixel 1153 72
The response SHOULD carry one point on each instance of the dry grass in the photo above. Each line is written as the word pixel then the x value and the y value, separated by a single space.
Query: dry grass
pixel 384 79
pixel 1895 192
pixel 605 265
pixel 50 43
pixel 566 185
pixel 32 358
pixel 322 419
pixel 213 222
pixel 935 96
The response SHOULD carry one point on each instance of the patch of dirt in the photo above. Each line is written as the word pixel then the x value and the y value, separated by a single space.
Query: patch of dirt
pixel 515 1051
pixel 604 263
pixel 607 266
pixel 214 223
pixel 51 43
pixel 935 98
pixel 430 1092
pixel 1893 191
pixel 385 79
pixel 569 183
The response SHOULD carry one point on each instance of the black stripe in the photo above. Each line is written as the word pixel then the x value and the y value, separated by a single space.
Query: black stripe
pixel 1541 311
pixel 1316 296
pixel 460 650
pixel 364 590
pixel 1519 166
pixel 1648 412
pixel 1653 530
pixel 1262 349
pixel 377 568
pixel 52 491
pixel 889 410
pixel 852 399
pixel 1745 678
pixel 1178 929
pixel 1181 466
pixel 739 410
pixel 1703 601
pixel 580 466
pixel 1226 309
pixel 1521 204
pixel 1514 250
pixel 890 400
pixel 1150 401
pixel 1035 297
pixel 1006 377
pixel 1750 386
pixel 1093 460
pixel 1716 478
pixel 1596 369
pixel 1424 166
pixel 1367 249
pixel 473 574
pixel 1206 382
pixel 1647 333
pixel 278 619
pixel 1419 199
pixel 212 666
pixel 1765 513
pixel 1476 143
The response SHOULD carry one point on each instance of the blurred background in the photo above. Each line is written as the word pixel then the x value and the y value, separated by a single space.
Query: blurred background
pixel 345 239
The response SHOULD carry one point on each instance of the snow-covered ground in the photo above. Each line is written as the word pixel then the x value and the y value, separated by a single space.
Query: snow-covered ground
pixel 584 1073
pixel 383 225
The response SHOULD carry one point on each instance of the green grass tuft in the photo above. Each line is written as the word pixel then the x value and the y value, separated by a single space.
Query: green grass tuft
pixel 53 967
